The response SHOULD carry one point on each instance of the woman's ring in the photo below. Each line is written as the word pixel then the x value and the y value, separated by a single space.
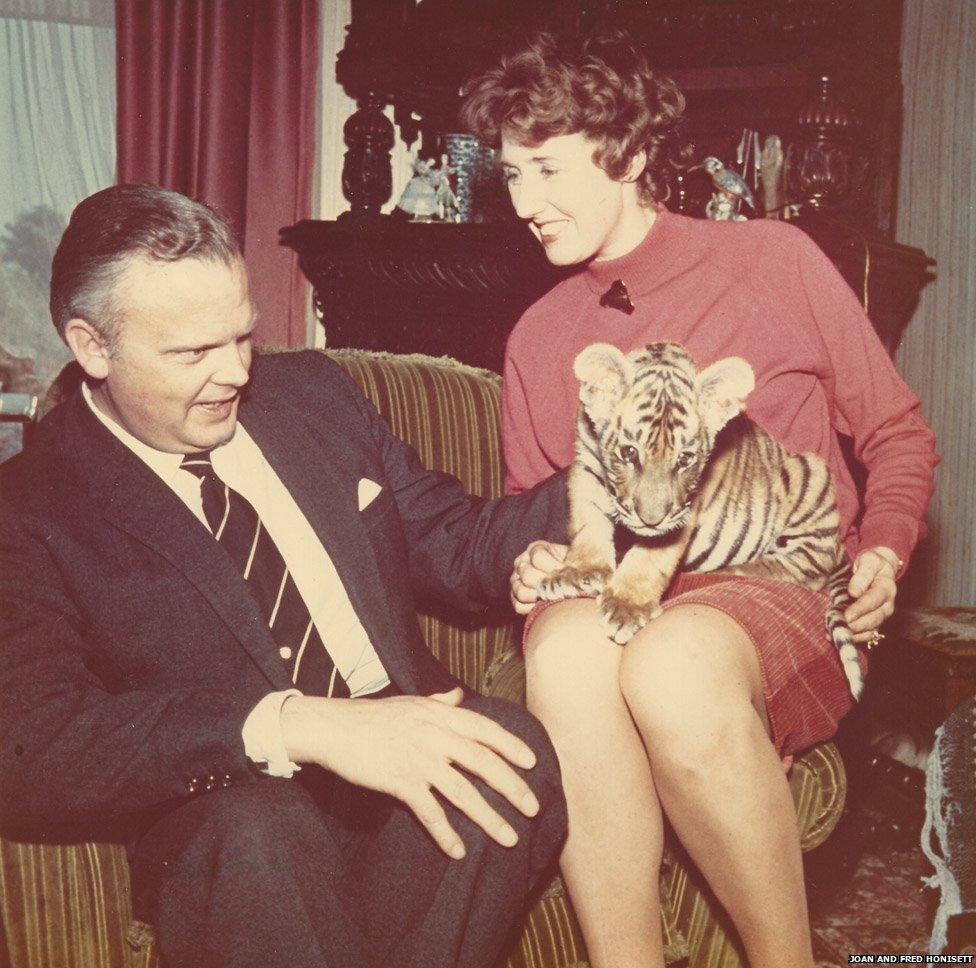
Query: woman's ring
pixel 874 638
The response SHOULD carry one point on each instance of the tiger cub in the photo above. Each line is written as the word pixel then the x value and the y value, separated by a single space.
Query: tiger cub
pixel 650 457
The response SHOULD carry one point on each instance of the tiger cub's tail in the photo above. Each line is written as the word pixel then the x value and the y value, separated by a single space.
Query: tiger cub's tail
pixel 837 627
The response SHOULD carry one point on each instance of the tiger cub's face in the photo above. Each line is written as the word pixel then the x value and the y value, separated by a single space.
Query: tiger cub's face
pixel 652 466
pixel 648 423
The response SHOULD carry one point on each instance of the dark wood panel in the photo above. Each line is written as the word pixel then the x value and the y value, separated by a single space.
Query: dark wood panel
pixel 458 290
pixel 744 64
pixel 454 290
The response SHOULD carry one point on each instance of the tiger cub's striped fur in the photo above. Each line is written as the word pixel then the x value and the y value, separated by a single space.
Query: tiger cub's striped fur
pixel 666 452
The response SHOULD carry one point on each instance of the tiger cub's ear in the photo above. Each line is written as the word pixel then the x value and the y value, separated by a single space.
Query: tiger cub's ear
pixel 605 376
pixel 722 390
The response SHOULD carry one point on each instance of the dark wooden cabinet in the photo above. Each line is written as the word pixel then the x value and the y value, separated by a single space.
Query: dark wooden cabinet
pixel 446 290
pixel 742 64
pixel 457 290
pixel 887 277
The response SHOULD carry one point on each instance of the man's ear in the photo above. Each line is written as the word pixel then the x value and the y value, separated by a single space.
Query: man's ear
pixel 636 167
pixel 605 376
pixel 90 349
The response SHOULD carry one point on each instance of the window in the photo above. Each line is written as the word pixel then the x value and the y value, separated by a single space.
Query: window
pixel 57 145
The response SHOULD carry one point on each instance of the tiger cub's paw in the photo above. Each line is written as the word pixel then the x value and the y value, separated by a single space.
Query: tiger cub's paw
pixel 573 582
pixel 623 618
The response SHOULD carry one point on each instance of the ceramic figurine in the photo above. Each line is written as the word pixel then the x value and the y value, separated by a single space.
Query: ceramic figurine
pixel 447 203
pixel 420 196
pixel 721 208
pixel 771 173
pixel 730 189
pixel 728 182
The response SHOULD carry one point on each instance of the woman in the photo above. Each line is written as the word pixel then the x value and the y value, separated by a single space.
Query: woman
pixel 697 716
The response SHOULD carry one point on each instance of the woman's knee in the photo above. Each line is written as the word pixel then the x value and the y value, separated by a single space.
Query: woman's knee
pixel 571 666
pixel 559 627
pixel 688 692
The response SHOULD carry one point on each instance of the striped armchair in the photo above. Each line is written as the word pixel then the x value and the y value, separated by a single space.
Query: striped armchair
pixel 68 906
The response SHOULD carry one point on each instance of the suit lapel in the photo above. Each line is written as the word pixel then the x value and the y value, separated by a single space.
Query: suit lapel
pixel 131 497
pixel 322 479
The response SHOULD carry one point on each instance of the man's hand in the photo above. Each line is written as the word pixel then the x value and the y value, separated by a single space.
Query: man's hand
pixel 873 588
pixel 410 746
pixel 539 560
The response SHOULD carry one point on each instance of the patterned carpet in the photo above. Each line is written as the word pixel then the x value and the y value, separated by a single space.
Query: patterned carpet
pixel 866 893
pixel 872 901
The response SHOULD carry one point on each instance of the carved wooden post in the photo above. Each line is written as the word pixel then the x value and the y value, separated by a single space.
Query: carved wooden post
pixel 367 177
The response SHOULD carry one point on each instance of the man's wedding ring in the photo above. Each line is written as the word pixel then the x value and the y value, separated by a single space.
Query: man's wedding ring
pixel 874 638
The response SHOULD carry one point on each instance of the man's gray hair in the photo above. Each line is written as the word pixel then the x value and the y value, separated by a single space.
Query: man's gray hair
pixel 113 225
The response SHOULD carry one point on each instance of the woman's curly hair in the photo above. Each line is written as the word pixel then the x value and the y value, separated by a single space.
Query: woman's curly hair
pixel 601 87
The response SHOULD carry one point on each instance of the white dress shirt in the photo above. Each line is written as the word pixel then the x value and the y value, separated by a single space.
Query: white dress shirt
pixel 242 466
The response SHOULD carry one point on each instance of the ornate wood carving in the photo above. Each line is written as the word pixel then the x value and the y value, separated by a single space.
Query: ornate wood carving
pixel 458 290
pixel 741 63
pixel 454 290
pixel 367 178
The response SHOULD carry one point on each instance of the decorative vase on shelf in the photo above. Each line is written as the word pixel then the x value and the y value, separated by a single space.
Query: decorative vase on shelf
pixel 477 185
pixel 825 166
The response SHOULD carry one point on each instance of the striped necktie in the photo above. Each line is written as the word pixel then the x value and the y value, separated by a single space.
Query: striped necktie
pixel 238 528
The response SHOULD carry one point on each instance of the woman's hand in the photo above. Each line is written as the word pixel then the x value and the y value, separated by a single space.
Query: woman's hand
pixel 540 559
pixel 872 586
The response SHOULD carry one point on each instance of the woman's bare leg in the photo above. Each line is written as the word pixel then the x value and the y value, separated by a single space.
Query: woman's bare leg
pixel 612 857
pixel 693 684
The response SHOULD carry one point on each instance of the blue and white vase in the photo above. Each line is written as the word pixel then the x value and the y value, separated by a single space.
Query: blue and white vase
pixel 475 174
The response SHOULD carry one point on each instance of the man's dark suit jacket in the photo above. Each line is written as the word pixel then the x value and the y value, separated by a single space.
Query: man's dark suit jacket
pixel 130 650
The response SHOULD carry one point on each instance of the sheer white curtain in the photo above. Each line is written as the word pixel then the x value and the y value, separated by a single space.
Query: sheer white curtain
pixel 937 211
pixel 57 145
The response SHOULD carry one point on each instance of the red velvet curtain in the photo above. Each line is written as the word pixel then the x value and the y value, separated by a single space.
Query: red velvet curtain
pixel 216 99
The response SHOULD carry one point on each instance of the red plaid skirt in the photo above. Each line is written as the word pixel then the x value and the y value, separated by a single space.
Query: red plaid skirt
pixel 804 685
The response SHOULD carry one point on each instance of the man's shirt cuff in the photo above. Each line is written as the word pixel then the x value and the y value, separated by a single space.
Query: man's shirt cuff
pixel 263 743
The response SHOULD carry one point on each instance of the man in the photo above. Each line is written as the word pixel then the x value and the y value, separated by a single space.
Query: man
pixel 209 638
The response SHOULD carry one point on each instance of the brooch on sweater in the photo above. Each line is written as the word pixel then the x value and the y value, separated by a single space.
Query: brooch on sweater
pixel 617 297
